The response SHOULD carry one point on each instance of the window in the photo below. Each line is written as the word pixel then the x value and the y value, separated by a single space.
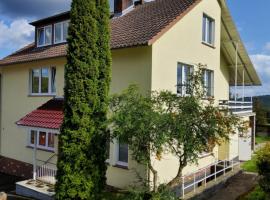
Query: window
pixel 183 78
pixel 108 146
pixel 61 32
pixel 44 36
pixel 42 80
pixel 45 140
pixel 122 154
pixel 208 82
pixel 208 30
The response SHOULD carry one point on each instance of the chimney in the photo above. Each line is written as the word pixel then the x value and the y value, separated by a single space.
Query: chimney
pixel 121 5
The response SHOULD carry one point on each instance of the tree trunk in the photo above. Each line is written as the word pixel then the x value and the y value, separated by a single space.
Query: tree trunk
pixel 177 180
pixel 154 176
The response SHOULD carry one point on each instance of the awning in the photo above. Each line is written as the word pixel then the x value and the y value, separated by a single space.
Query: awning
pixel 229 38
pixel 50 115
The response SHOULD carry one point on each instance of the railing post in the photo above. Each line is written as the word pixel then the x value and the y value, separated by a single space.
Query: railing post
pixel 215 171
pixel 183 187
pixel 224 167
pixel 205 177
pixel 194 181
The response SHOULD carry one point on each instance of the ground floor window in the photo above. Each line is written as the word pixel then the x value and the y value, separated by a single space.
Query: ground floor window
pixel 122 153
pixel 45 139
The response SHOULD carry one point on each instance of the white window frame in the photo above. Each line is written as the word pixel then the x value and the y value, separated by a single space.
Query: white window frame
pixel 39 93
pixel 205 81
pixel 121 163
pixel 62 31
pixel 183 78
pixel 206 29
pixel 47 131
pixel 44 37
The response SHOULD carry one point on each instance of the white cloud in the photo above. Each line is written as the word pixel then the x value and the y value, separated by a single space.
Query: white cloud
pixel 262 65
pixel 267 46
pixel 15 35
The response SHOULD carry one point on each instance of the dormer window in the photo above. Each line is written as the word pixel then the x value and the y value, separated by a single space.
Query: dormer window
pixel 61 32
pixel 44 36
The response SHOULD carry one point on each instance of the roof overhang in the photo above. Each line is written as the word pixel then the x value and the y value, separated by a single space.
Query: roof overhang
pixel 230 38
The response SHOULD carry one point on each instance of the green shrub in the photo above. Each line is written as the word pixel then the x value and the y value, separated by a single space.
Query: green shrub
pixel 256 194
pixel 263 165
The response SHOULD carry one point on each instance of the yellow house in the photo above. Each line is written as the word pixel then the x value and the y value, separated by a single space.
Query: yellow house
pixel 154 44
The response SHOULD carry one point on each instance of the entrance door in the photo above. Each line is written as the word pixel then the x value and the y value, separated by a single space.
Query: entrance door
pixel 245 149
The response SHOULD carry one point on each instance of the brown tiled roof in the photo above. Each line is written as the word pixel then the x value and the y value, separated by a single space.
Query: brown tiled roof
pixel 31 53
pixel 141 26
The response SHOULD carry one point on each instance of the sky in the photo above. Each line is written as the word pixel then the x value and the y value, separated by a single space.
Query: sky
pixel 251 18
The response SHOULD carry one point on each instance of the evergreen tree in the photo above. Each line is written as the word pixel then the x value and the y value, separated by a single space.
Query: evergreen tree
pixel 81 161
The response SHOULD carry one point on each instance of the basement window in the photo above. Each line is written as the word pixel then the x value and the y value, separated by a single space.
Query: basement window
pixel 42 81
pixel 45 140
pixel 208 35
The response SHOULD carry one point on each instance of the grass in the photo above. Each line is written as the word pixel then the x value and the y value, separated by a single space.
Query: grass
pixel 256 194
pixel 262 139
pixel 250 166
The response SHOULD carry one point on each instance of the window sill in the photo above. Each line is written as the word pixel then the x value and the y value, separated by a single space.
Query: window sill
pixel 208 98
pixel 120 166
pixel 209 45
pixel 43 45
pixel 41 149
pixel 42 95
pixel 203 155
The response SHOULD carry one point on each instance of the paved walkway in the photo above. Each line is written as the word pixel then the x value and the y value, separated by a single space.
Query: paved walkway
pixel 236 186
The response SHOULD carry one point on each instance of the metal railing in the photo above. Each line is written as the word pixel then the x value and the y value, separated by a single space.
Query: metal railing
pixel 191 182
pixel 47 173
pixel 237 107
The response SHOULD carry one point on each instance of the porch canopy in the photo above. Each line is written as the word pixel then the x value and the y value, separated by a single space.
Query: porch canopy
pixel 235 52
pixel 48 116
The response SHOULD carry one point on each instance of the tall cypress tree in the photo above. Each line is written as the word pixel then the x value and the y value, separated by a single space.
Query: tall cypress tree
pixel 104 58
pixel 81 161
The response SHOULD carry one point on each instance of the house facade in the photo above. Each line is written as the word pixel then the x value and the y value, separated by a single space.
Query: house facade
pixel 155 44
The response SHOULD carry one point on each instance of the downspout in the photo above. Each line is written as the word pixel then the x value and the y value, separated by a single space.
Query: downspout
pixel 243 87
pixel 35 157
pixel 236 71
pixel 1 130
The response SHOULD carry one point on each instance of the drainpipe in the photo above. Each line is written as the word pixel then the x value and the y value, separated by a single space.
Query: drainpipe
pixel 236 71
pixel 35 157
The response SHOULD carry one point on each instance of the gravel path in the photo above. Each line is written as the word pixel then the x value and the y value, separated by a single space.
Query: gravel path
pixel 236 186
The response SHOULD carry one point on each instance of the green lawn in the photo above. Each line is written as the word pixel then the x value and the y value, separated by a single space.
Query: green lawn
pixel 262 139
pixel 250 166
pixel 256 194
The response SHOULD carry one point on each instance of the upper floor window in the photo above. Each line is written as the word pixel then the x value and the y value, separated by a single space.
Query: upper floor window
pixel 42 80
pixel 44 36
pixel 61 32
pixel 183 78
pixel 208 30
pixel 208 82
pixel 44 140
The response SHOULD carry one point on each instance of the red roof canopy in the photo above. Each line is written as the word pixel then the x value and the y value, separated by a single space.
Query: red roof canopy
pixel 49 115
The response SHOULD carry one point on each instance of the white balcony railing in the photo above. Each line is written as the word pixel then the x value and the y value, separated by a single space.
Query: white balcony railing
pixel 47 173
pixel 237 107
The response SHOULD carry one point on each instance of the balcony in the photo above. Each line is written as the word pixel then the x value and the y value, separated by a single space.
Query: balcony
pixel 237 107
